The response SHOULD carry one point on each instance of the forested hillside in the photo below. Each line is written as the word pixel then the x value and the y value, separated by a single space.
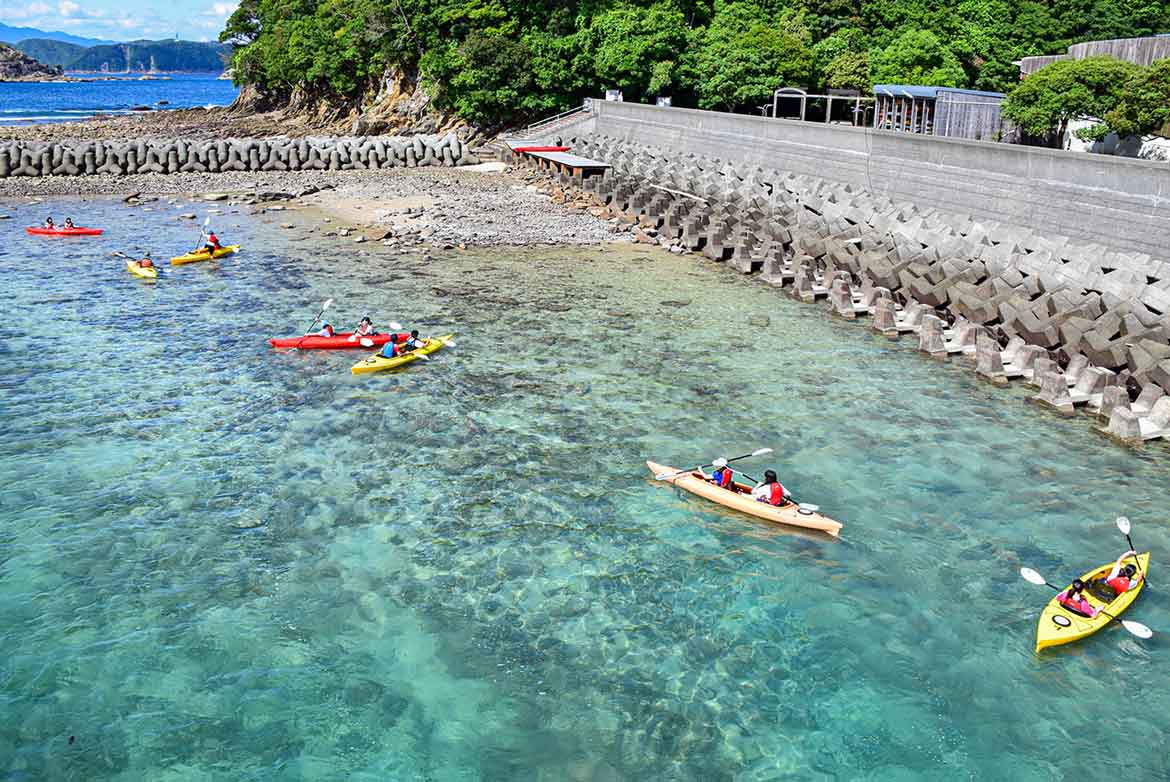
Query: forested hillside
pixel 50 52
pixel 494 62
pixel 167 55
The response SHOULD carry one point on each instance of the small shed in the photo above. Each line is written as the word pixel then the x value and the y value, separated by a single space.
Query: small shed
pixel 939 111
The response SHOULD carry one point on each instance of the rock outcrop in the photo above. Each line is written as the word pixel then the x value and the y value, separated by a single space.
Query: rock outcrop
pixel 15 66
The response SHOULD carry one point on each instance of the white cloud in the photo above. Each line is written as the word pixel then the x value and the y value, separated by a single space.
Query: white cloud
pixel 114 21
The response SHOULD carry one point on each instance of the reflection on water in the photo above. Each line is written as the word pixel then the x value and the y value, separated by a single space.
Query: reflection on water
pixel 225 562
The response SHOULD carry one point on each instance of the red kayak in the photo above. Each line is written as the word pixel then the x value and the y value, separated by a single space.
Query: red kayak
pixel 338 341
pixel 75 231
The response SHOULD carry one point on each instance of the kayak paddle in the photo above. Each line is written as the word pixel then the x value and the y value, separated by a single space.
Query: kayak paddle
pixel 203 230
pixel 366 342
pixel 1136 628
pixel 662 476
pixel 328 303
pixel 1123 525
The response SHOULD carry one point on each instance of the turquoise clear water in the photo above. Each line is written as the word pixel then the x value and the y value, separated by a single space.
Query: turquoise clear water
pixel 220 562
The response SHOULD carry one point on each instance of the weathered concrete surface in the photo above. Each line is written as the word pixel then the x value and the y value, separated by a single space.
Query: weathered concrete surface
pixel 126 158
pixel 1123 204
pixel 1023 304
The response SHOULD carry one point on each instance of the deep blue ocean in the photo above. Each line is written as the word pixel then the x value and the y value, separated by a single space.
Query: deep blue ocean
pixel 24 103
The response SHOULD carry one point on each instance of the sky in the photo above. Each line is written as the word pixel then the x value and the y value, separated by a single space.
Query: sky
pixel 121 20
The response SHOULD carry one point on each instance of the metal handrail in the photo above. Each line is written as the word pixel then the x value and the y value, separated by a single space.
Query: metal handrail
pixel 555 118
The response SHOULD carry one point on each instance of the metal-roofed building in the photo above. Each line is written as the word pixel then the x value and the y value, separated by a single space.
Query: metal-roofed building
pixel 939 111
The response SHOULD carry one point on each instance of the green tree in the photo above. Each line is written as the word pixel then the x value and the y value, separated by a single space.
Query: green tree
pixel 917 57
pixel 1047 100
pixel 746 54
pixel 842 60
pixel 636 49
pixel 1144 105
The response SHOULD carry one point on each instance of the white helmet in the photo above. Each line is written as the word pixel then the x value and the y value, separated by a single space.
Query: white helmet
pixel 719 463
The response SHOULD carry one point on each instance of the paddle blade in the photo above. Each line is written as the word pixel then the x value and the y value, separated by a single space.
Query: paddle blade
pixel 808 507
pixel 328 303
pixel 1137 628
pixel 395 325
pixel 761 452
pixel 1032 576
pixel 449 343
pixel 367 342
pixel 207 221
pixel 1123 525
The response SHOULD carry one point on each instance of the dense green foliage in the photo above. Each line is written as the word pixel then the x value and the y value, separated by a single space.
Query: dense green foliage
pixel 498 61
pixel 1144 104
pixel 1126 98
pixel 168 55
pixel 50 52
pixel 1057 93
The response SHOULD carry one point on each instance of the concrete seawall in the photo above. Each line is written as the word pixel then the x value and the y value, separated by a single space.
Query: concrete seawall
pixel 162 156
pixel 1120 204
pixel 1086 323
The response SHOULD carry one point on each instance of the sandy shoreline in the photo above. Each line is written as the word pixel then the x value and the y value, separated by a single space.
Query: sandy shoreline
pixel 444 207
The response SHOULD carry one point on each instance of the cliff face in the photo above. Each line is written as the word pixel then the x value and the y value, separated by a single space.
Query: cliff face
pixel 393 105
pixel 15 66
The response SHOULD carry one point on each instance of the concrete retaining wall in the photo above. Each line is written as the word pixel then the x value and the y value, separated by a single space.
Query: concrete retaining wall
pixel 1022 303
pixel 1120 204
pixel 162 156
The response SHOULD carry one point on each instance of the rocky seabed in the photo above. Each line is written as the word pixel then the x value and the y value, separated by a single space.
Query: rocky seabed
pixel 1087 325
pixel 160 156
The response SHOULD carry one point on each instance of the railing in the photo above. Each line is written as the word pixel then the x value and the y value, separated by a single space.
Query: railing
pixel 557 119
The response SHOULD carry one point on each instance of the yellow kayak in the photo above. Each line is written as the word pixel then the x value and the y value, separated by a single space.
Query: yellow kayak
pixel 1058 625
pixel 741 500
pixel 378 363
pixel 145 272
pixel 195 257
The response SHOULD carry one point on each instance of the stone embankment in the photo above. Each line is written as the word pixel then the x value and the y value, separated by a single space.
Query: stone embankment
pixel 161 156
pixel 1088 325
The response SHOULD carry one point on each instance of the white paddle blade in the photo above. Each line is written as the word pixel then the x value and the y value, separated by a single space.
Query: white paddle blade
pixel 1123 525
pixel 367 342
pixel 328 303
pixel 808 506
pixel 761 452
pixel 1032 576
pixel 1137 628
pixel 395 325
pixel 449 343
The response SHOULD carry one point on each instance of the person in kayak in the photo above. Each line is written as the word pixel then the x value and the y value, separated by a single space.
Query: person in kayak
pixel 145 261
pixel 771 490
pixel 364 329
pixel 326 332
pixel 49 222
pixel 412 342
pixel 69 223
pixel 1123 578
pixel 721 475
pixel 212 243
pixel 1074 600
pixel 391 350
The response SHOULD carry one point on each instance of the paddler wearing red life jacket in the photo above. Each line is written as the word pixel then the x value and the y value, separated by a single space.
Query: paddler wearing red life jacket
pixel 770 490
pixel 1123 578
pixel 721 475
pixel 1074 600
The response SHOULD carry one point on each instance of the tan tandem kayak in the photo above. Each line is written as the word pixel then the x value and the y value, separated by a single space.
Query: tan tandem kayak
pixel 741 500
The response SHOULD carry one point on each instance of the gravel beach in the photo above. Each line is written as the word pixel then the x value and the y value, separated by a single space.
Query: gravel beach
pixel 472 206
